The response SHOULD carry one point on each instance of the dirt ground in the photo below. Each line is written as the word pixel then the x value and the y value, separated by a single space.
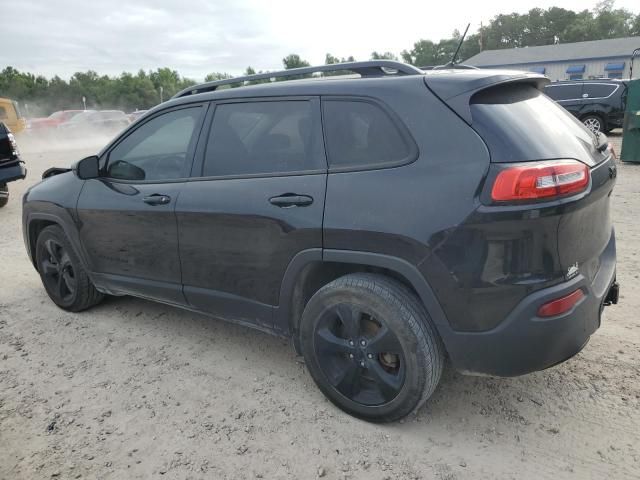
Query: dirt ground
pixel 133 389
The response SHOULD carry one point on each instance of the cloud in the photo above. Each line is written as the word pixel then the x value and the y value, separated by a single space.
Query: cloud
pixel 197 37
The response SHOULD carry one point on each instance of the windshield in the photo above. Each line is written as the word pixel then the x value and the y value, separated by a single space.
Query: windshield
pixel 62 115
pixel 82 116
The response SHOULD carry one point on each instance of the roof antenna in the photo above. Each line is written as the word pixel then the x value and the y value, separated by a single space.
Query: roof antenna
pixel 452 62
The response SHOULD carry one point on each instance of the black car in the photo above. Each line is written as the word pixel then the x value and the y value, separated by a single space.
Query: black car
pixel 383 223
pixel 11 165
pixel 599 104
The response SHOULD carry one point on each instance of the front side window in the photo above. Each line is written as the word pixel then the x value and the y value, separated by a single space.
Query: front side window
pixel 360 133
pixel 157 150
pixel 263 138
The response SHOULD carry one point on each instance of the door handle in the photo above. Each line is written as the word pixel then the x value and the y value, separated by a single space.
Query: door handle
pixel 157 199
pixel 291 200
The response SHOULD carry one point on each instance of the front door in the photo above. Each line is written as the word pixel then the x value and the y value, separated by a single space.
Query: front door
pixel 127 217
pixel 256 200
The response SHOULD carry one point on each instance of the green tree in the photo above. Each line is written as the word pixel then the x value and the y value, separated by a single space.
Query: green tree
pixel 330 60
pixel 293 60
pixel 383 56
pixel 212 77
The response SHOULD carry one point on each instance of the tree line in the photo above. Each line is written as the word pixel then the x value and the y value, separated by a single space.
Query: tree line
pixel 128 91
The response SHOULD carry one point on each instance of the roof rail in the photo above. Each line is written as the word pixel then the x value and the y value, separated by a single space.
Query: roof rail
pixel 372 68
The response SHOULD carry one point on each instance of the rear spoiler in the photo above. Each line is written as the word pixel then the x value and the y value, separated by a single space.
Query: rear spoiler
pixel 456 87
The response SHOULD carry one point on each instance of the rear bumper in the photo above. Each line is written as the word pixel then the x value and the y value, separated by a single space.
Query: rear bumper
pixel 13 171
pixel 524 342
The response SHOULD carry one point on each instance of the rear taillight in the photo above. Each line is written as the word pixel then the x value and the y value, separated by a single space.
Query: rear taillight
pixel 540 180
pixel 561 305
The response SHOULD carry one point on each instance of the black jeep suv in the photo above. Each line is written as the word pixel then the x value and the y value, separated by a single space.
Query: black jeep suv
pixel 599 104
pixel 383 222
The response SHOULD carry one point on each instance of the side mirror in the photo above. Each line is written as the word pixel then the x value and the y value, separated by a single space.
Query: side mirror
pixel 87 168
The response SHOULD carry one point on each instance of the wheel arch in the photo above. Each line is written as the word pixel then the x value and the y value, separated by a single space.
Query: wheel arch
pixel 36 222
pixel 311 269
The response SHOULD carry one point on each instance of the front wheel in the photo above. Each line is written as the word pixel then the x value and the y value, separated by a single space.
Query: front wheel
pixel 4 195
pixel 370 347
pixel 62 274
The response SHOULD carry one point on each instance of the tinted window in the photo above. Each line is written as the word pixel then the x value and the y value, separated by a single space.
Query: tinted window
pixel 361 133
pixel 3 113
pixel 263 137
pixel 157 150
pixel 519 124
pixel 597 90
pixel 564 92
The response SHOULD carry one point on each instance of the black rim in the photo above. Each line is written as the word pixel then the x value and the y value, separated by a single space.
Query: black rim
pixel 360 356
pixel 57 271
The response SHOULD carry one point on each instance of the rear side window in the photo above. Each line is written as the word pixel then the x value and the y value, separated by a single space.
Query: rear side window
pixel 564 92
pixel 264 138
pixel 361 134
pixel 598 90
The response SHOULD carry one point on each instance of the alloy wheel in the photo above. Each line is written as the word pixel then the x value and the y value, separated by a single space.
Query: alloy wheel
pixel 57 270
pixel 359 355
pixel 592 124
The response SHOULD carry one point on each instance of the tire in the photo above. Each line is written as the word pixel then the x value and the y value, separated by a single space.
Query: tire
pixel 594 123
pixel 4 189
pixel 398 366
pixel 62 273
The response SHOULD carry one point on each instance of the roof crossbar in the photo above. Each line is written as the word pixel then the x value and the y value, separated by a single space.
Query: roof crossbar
pixel 372 68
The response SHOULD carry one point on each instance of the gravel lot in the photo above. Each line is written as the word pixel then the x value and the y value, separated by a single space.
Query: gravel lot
pixel 133 389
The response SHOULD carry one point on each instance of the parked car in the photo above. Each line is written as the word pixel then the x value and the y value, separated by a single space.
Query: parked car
pixel 133 116
pixel 95 121
pixel 11 165
pixel 11 115
pixel 316 210
pixel 599 104
pixel 53 120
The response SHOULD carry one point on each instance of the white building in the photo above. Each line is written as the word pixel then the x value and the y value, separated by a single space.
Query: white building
pixel 568 61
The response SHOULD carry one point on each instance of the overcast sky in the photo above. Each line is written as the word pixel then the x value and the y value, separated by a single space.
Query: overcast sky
pixel 196 37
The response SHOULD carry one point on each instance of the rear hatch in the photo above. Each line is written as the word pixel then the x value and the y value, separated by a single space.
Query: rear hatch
pixel 524 129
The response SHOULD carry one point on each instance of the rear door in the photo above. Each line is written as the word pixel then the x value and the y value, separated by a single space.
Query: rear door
pixel 255 199
pixel 126 217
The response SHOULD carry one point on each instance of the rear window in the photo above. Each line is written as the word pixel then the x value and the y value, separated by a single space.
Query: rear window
pixel 519 123
pixel 360 133
pixel 599 90
pixel 564 92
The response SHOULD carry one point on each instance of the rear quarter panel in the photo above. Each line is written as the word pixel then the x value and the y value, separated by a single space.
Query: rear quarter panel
pixel 410 211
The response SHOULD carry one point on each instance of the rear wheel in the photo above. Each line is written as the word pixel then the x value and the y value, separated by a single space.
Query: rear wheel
pixel 62 274
pixel 370 347
pixel 4 195
pixel 594 123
